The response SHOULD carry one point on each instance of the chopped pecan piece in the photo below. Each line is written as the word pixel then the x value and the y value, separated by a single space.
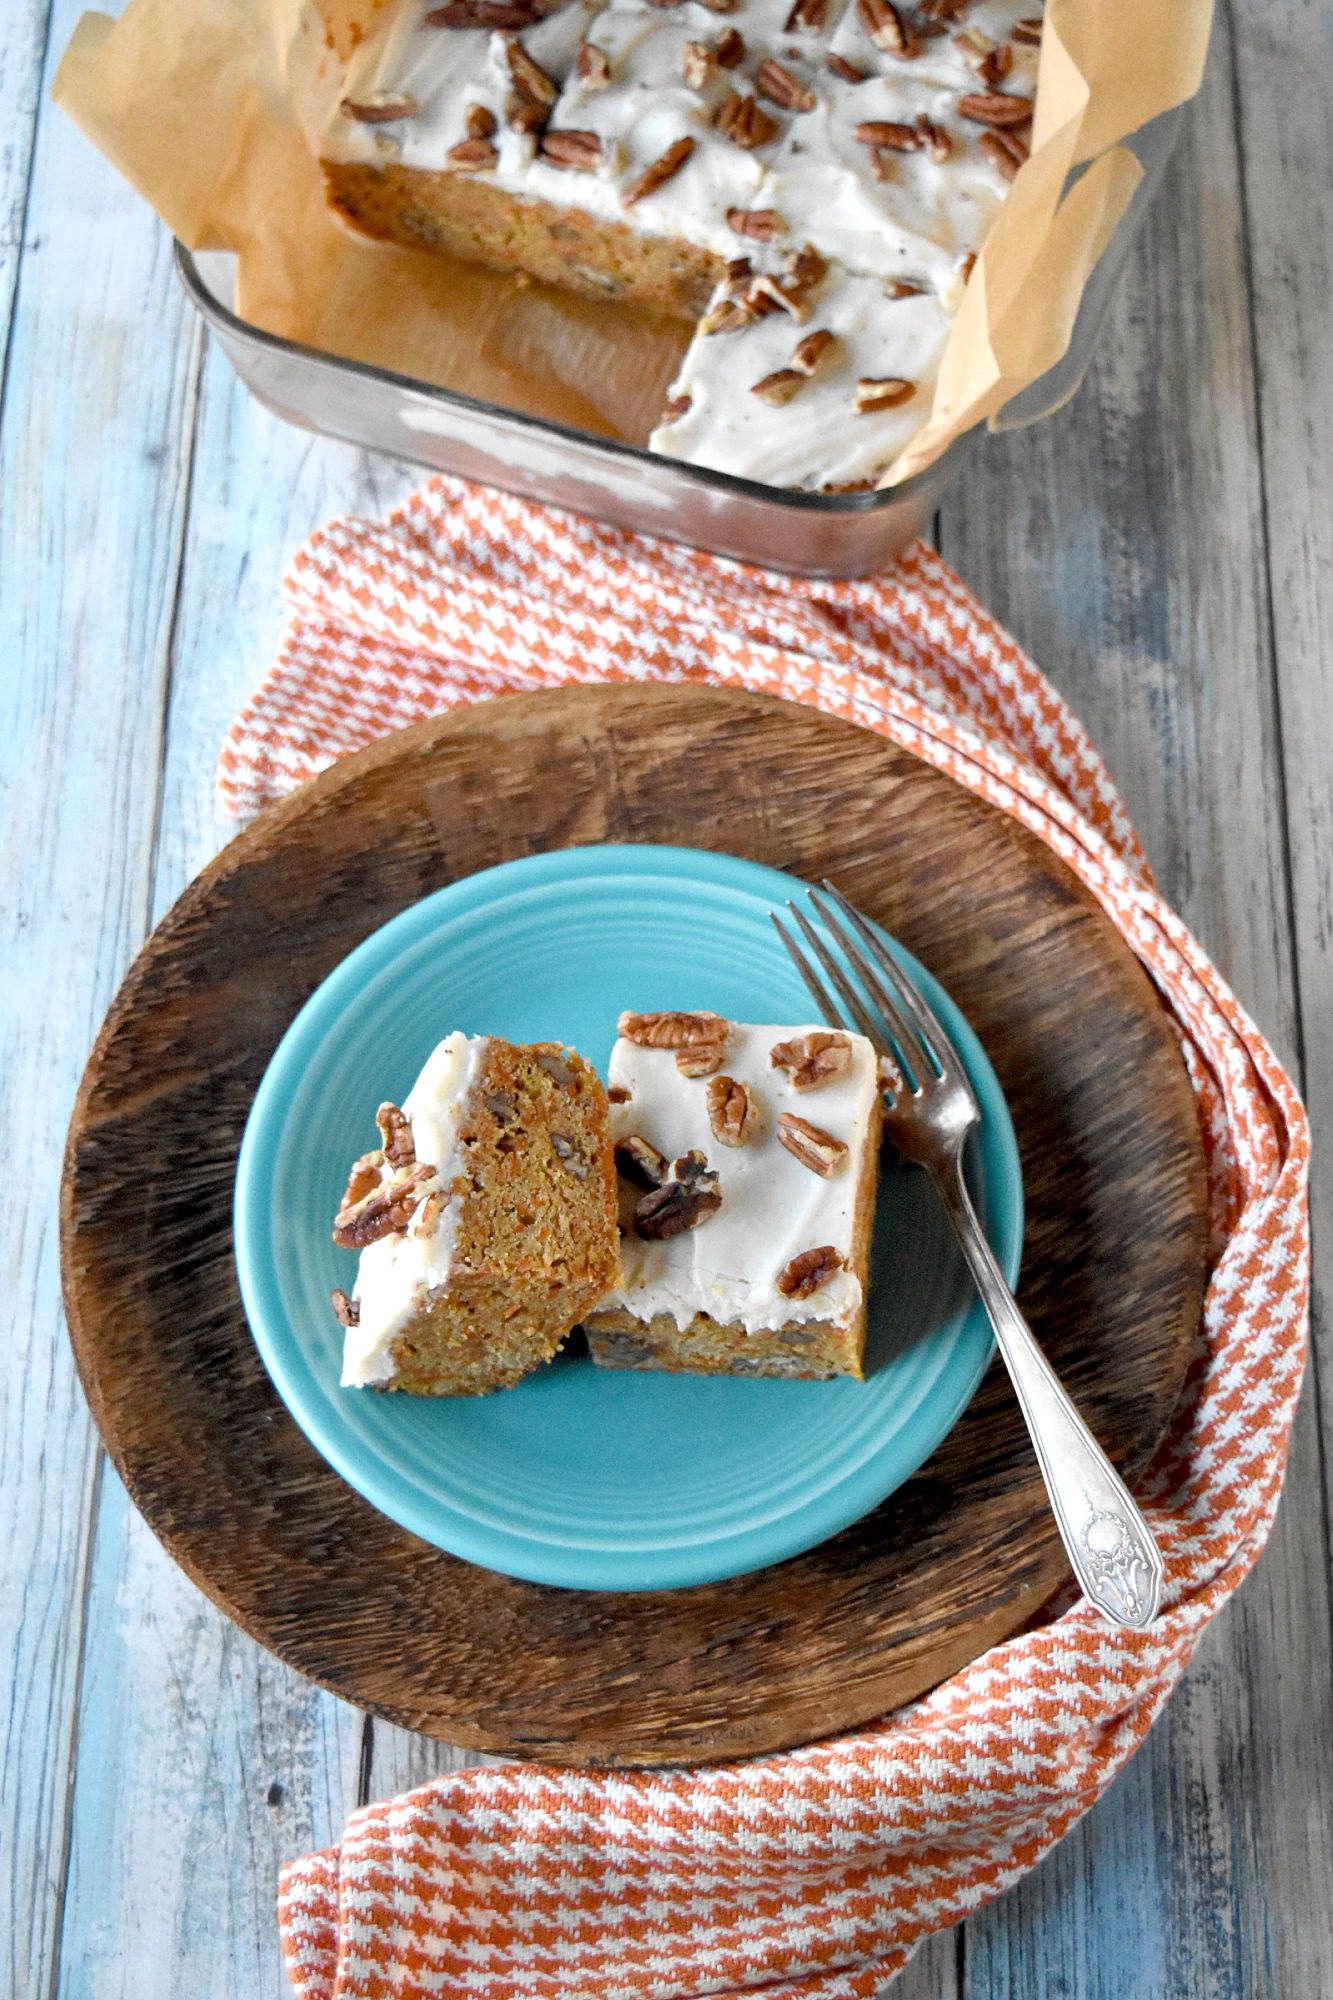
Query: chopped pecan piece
pixel 561 1075
pixel 1005 151
pixel 936 141
pixel 617 1094
pixel 396 1137
pixel 429 1213
pixel 767 295
pixel 701 1060
pixel 808 1270
pixel 810 14
pixel 974 48
pixel 811 1144
pixel 779 387
pixel 364 1177
pixel 886 28
pixel 593 67
pixel 480 122
pixel 1028 31
pixel 346 1311
pixel 379 107
pixel 847 71
pixel 529 78
pixel 582 150
pixel 804 268
pixel 698 62
pixel 883 393
pixel 810 354
pixel 997 65
pixel 501 1106
pixel 640 1162
pixel 522 115
pixel 730 48
pixel 812 1059
pixel 771 80
pixel 673 1030
pixel 569 1155
pixel 722 6
pixel 476 154
pixel 683 1202
pixel 967 265
pixel 484 14
pixel 898 288
pixel 761 223
pixel 742 120
pixel 884 132
pixel 733 1110
pixel 673 410
pixel 657 173
pixel 996 108
pixel 942 10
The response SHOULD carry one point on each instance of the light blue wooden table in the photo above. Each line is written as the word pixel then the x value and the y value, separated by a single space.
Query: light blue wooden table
pixel 1165 549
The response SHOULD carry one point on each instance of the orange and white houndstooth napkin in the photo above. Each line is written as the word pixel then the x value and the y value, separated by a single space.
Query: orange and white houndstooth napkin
pixel 811 1874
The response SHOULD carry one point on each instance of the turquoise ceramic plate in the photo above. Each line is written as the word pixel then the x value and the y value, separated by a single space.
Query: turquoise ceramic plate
pixel 582 1476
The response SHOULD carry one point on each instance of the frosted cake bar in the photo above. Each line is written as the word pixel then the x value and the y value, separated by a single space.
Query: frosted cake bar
pixel 807 184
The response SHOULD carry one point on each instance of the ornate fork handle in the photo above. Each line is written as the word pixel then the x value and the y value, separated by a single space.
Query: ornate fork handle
pixel 1115 1558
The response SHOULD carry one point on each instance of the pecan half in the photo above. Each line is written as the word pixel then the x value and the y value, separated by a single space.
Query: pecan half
pixel 730 48
pixel 657 173
pixel 811 1144
pixel 1027 31
pixel 701 1060
pixel 808 1270
pixel 683 1202
pixel 777 84
pixel 733 1111
pixel 1005 151
pixel 593 68
pixel 810 354
pixel 744 122
pixel 396 1137
pixel 385 1211
pixel 581 150
pixel 484 14
pixel 886 28
pixel 847 71
pixel 346 1311
pixel 379 107
pixel 884 132
pixel 810 14
pixel 529 78
pixel 883 393
pixel 779 387
pixel 761 223
pixel 812 1059
pixel 996 109
pixel 364 1177
pixel 673 1030
pixel 640 1163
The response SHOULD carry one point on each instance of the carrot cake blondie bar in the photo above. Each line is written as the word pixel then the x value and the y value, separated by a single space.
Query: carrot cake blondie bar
pixel 485 1219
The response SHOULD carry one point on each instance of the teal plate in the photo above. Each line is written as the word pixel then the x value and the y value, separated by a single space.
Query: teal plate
pixel 586 1477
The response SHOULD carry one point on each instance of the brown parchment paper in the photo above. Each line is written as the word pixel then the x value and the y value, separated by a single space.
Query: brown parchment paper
pixel 211 109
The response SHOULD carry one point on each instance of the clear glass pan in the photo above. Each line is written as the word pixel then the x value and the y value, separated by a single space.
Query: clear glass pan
pixel 806 534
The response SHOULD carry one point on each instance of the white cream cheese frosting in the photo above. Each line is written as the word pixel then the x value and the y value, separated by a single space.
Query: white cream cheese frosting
pixel 896 224
pixel 398 1272
pixel 773 1206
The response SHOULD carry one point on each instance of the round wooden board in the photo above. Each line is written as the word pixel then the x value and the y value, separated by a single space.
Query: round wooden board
pixel 963 1554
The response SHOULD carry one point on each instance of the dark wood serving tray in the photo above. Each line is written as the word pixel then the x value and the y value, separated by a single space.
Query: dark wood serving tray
pixel 963 1554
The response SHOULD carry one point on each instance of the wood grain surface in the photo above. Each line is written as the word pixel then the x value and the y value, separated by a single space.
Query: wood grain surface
pixel 1112 1275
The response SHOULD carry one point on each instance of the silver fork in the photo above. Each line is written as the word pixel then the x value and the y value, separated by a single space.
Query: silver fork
pixel 1114 1556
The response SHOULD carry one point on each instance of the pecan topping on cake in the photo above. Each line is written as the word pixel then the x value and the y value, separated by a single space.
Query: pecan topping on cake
pixel 480 122
pixel 484 14
pixel 529 78
pixel 997 109
pixel 810 14
pixel 741 120
pixel 683 1202
pixel 883 393
pixel 396 1137
pixel 379 107
pixel 847 71
pixel 938 144
pixel 804 268
pixel 886 28
pixel 639 1162
pixel 1028 30
pixel 616 1092
pixel 1005 151
pixel 385 1211
pixel 346 1311
pixel 812 1059
pixel 898 288
pixel 722 6
pixel 582 150
pixel 884 132
pixel 733 1111
pixel 593 67
pixel 672 411
pixel 657 173
pixel 767 295
pixel 364 1178
pixel 808 1270
pixel 810 354
pixel 771 80
pixel 672 1030
pixel 698 62
pixel 942 10
pixel 761 223
pixel 779 387
pixel 811 1145
pixel 730 48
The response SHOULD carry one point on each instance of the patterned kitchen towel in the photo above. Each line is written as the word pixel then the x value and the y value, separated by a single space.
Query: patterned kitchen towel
pixel 811 1874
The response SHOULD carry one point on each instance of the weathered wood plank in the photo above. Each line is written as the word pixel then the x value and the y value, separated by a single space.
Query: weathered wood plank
pixel 99 389
pixel 22 46
pixel 1144 593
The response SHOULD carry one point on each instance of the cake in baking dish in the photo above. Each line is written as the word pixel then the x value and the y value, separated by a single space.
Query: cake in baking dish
pixel 486 1220
pixel 806 182
pixel 748 1161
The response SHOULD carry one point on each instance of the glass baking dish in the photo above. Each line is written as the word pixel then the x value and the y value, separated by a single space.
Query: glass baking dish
pixel 805 534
